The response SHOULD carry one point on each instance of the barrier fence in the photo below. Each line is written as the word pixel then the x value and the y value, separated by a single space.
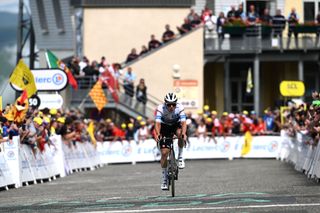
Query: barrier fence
pixel 20 165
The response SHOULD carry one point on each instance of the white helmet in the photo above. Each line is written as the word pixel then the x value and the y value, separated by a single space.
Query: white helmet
pixel 170 98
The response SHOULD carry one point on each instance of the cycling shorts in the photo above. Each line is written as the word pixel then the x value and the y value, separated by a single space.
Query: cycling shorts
pixel 168 131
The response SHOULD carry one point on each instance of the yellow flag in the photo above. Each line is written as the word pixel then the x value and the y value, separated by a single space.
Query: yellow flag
pixel 0 103
pixel 90 130
pixel 98 96
pixel 249 81
pixel 246 148
pixel 23 78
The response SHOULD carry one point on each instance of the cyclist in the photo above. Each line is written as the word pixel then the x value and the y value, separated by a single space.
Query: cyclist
pixel 170 120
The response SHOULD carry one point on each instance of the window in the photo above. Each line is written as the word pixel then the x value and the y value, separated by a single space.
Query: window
pixel 309 11
pixel 58 15
pixel 42 16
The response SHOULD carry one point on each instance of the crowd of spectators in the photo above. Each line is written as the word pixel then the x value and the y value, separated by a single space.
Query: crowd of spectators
pixel 253 19
pixel 37 127
pixel 191 21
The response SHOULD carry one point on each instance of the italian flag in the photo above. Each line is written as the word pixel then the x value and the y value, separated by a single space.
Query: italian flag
pixel 54 62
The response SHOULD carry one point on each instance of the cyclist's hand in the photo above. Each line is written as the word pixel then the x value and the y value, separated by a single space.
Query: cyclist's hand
pixel 158 138
pixel 184 138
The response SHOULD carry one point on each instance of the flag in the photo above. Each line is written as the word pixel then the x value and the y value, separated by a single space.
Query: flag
pixel 54 62
pixel 23 78
pixel 109 80
pixel 249 81
pixel 0 103
pixel 246 148
pixel 90 130
pixel 97 95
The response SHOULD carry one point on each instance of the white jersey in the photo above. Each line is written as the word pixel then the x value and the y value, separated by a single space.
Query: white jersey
pixel 170 118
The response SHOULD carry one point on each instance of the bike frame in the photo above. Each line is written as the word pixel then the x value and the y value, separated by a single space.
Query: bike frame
pixel 173 169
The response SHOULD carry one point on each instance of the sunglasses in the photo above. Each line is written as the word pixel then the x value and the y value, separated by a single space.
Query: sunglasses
pixel 171 105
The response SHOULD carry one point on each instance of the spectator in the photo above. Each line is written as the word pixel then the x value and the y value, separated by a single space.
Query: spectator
pixel 196 21
pixel 74 66
pixel 185 27
pixel 141 93
pixel 279 23
pixel 211 22
pixel 252 17
pixel 231 15
pixel 144 50
pixel 82 64
pixel 220 22
pixel 103 62
pixel 266 19
pixel 132 55
pixel 191 14
pixel 205 14
pixel 168 35
pixel 143 132
pixel 239 14
pixel 130 132
pixel 201 131
pixel 153 43
pixel 128 84
pixel 269 120
pixel 293 20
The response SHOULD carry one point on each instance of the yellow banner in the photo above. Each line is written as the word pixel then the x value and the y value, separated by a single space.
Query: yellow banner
pixel 246 148
pixel 292 88
pixel 1 103
pixel 23 78
pixel 90 130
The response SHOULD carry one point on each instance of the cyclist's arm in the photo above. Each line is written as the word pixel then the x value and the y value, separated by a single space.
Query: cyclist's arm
pixel 183 120
pixel 157 129
pixel 184 129
pixel 157 126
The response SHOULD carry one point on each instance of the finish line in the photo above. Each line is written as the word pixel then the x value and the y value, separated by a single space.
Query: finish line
pixel 212 208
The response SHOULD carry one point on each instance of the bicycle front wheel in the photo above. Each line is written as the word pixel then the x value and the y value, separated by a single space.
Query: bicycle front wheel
pixel 172 176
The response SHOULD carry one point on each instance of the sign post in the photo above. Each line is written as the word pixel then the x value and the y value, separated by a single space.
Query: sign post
pixel 290 89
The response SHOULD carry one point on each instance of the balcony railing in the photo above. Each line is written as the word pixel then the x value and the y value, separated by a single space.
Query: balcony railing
pixel 262 38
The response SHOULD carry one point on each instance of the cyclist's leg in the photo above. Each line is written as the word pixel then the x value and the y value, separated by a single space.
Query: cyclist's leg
pixel 164 157
pixel 164 146
pixel 181 144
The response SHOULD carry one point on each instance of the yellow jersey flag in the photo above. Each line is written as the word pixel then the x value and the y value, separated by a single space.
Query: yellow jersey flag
pixel 90 130
pixel 98 96
pixel 249 81
pixel 23 78
pixel 246 148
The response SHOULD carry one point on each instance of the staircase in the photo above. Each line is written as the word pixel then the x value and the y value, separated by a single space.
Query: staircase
pixel 80 99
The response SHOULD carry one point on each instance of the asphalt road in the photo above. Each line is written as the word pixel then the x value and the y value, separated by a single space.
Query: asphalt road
pixel 203 186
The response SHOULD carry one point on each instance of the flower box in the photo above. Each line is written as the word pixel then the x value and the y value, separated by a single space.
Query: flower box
pixel 234 30
pixel 266 30
pixel 305 29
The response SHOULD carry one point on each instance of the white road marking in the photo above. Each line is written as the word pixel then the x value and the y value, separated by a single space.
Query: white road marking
pixel 211 208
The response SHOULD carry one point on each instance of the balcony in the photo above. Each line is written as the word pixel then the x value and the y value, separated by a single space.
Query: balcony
pixel 259 38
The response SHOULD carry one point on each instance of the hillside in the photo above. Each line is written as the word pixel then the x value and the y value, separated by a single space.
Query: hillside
pixel 8 29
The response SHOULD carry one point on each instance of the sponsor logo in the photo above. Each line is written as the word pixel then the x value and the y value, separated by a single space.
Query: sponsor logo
pixel 57 79
pixel 225 146
pixel 273 146
pixel 126 150
pixel 11 155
